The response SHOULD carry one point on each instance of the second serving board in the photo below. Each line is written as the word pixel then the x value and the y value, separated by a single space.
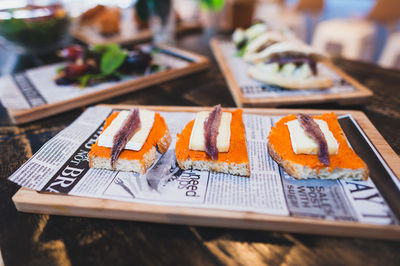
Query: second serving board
pixel 33 94
pixel 250 93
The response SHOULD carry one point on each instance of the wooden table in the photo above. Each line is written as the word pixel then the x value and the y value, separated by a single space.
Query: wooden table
pixel 30 239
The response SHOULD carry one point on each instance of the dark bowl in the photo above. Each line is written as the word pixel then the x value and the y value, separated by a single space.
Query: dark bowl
pixel 35 29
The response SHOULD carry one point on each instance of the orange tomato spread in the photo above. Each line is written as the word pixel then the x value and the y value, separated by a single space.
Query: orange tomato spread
pixel 156 133
pixel 237 146
pixel 279 138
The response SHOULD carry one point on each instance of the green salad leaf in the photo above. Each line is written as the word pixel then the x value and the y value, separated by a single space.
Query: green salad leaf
pixel 102 48
pixel 84 80
pixel 113 56
pixel 60 68
pixel 241 52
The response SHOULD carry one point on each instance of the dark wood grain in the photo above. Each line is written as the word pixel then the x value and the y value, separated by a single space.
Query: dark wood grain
pixel 30 239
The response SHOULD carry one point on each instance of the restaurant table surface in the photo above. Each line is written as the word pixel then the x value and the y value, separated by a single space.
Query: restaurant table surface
pixel 33 239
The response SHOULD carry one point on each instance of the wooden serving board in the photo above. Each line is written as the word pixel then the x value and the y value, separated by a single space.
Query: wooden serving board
pixel 30 201
pixel 89 36
pixel 360 94
pixel 197 63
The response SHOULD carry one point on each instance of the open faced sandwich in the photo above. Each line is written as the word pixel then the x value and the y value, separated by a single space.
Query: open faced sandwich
pixel 255 49
pixel 291 65
pixel 214 141
pixel 130 140
pixel 242 37
pixel 314 147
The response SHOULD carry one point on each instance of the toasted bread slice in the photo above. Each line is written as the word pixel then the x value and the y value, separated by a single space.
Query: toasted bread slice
pixel 289 48
pixel 345 165
pixel 106 20
pixel 256 47
pixel 89 15
pixel 109 21
pixel 159 139
pixel 235 161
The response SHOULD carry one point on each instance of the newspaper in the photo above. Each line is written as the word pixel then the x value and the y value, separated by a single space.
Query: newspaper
pixel 252 88
pixel 61 166
pixel 36 87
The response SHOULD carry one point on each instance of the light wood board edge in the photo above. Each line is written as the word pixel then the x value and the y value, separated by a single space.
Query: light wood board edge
pixel 361 94
pixel 139 37
pixel 30 201
pixel 27 115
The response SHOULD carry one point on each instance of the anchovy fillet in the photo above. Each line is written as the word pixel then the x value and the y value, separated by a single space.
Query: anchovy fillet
pixel 124 134
pixel 211 125
pixel 312 130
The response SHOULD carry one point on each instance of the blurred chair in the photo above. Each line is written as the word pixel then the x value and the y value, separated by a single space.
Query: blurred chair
pixel 386 12
pixel 294 18
pixel 187 10
pixel 313 6
pixel 268 11
pixel 357 38
pixel 349 38
pixel 311 10
pixel 293 21
pixel 390 57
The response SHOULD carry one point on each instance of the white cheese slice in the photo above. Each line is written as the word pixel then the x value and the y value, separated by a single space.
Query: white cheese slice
pixel 136 142
pixel 224 132
pixel 303 144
